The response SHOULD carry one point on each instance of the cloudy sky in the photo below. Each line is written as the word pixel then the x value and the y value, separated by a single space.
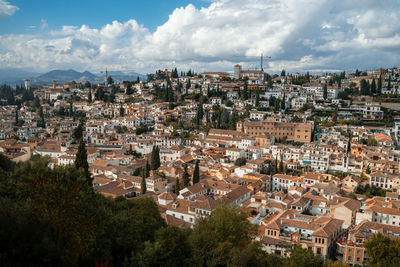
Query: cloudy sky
pixel 142 36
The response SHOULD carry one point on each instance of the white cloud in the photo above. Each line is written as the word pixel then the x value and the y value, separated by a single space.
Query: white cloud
pixel 298 34
pixel 6 9
pixel 43 24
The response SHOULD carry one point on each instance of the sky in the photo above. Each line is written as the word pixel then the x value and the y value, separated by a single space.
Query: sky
pixel 142 36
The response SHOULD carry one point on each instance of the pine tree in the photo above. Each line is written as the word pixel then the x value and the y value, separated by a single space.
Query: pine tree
pixel 196 173
pixel 177 186
pixel 185 176
pixel 81 161
pixel 155 158
pixel 143 188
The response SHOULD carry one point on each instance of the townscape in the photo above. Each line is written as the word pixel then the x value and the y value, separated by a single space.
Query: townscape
pixel 312 159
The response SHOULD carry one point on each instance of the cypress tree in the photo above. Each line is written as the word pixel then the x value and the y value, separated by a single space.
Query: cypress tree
pixel 155 158
pixel 143 188
pixel 283 103
pixel 71 109
pixel 177 186
pixel 147 169
pixel 16 116
pixel 196 173
pixel 90 98
pixel 325 92
pixel 257 98
pixel 373 87
pixel 81 161
pixel 185 176
pixel 245 91
pixel 379 91
pixel 281 164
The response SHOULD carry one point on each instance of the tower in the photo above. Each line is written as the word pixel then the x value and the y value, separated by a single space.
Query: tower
pixel 237 69
pixel 54 84
pixel 27 84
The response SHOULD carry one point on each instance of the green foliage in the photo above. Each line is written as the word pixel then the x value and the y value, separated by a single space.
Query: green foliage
pixel 142 129
pixel 78 132
pixel 325 92
pixel 300 257
pixel 177 186
pixel 185 177
pixel 370 191
pixel 196 173
pixel 143 187
pixel 240 162
pixel 155 158
pixel 81 162
pixel 383 251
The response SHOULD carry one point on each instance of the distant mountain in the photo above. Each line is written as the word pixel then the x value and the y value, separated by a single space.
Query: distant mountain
pixel 14 76
pixel 61 76
pixel 120 76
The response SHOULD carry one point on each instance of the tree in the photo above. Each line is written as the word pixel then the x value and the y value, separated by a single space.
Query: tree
pixel 373 87
pixel 16 117
pixel 283 73
pixel 177 186
pixel 130 151
pixel 121 111
pixel 143 188
pixel 364 87
pixel 245 94
pixel 110 80
pixel 155 158
pixel 383 251
pixel 219 239
pixel 90 98
pixel 200 113
pixel 379 89
pixel 171 248
pixel 147 169
pixel 185 176
pixel 81 161
pixel 325 92
pixel 283 103
pixel 368 170
pixel 71 109
pixel 78 132
pixel 257 98
pixel 300 257
pixel 196 173
pixel 42 122
pixel 240 162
